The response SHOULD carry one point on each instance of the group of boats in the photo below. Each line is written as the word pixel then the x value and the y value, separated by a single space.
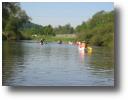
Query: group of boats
pixel 82 46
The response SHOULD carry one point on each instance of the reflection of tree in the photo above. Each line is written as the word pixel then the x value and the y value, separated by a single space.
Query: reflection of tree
pixel 7 65
pixel 101 65
pixel 102 58
pixel 12 54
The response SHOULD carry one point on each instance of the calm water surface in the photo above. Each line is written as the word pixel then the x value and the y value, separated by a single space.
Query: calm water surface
pixel 27 63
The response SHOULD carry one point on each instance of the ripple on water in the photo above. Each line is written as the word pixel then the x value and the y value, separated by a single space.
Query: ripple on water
pixel 55 65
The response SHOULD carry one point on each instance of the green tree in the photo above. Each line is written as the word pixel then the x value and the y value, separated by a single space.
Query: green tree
pixel 13 18
pixel 66 29
pixel 99 30
pixel 48 30
pixel 7 9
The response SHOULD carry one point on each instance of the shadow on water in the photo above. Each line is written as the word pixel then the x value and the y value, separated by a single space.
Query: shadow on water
pixel 102 59
pixel 9 59
pixel 117 73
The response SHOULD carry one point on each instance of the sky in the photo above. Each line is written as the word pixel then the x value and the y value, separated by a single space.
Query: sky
pixel 63 13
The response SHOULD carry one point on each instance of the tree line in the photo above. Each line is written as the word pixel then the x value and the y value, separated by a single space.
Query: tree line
pixel 98 30
pixel 31 28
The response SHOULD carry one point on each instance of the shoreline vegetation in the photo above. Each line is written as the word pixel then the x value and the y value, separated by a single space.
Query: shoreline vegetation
pixel 17 25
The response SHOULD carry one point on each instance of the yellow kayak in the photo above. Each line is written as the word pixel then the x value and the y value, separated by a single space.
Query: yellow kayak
pixel 89 49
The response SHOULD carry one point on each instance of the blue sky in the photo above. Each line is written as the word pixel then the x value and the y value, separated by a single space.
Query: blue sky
pixel 63 13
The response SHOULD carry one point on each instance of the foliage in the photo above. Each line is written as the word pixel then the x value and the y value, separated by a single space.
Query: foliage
pixel 30 29
pixel 13 18
pixel 99 30
pixel 48 30
pixel 7 9
pixel 66 29
pixel 49 38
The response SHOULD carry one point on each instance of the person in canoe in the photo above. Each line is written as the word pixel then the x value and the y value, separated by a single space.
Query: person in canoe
pixel 82 46
pixel 42 41
pixel 60 42
pixel 88 48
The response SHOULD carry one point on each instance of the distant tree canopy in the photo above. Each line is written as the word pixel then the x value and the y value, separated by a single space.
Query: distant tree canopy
pixel 99 30
pixel 32 29
pixel 66 29
pixel 48 30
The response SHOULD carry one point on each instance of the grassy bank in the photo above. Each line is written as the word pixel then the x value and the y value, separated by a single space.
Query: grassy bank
pixel 64 38
pixel 53 38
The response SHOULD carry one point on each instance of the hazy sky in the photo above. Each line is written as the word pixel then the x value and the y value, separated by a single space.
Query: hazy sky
pixel 63 13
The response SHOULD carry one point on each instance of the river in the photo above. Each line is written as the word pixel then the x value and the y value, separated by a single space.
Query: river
pixel 27 63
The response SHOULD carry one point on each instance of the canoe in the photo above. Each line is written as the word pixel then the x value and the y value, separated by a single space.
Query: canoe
pixel 88 49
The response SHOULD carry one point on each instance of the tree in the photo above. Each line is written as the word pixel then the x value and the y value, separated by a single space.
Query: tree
pixel 66 29
pixel 13 18
pixel 99 30
pixel 48 30
pixel 7 9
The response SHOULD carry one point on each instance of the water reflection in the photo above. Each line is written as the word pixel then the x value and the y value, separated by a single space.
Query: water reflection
pixel 28 63
pixel 100 64
pixel 82 55
pixel 12 55
pixel 102 59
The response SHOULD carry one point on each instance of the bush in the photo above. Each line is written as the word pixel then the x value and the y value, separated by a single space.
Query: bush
pixel 4 37
pixel 99 30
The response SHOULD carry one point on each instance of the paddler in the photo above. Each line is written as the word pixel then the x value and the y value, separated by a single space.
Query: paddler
pixel 42 41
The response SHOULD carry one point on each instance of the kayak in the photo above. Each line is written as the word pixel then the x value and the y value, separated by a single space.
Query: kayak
pixel 88 49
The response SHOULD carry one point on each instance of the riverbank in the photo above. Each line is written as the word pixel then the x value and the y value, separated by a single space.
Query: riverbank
pixel 55 38
pixel 63 37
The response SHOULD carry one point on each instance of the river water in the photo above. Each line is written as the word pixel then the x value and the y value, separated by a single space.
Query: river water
pixel 27 63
